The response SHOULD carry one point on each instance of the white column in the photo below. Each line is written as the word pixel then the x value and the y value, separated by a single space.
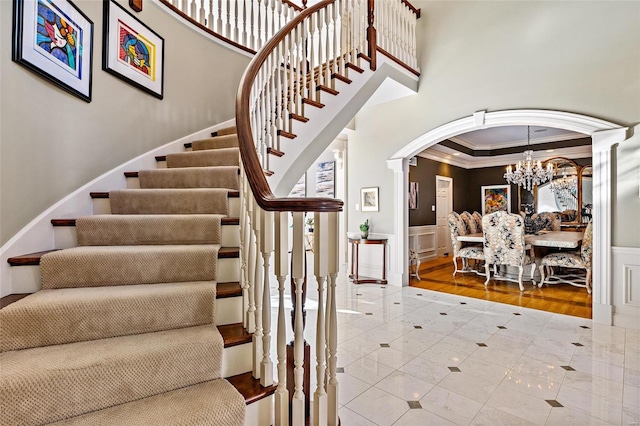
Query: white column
pixel 602 142
pixel 399 264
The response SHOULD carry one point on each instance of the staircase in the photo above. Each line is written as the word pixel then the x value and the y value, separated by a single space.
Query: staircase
pixel 140 320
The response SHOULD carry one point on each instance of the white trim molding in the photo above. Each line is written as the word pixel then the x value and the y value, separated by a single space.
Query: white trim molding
pixel 604 135
pixel 626 286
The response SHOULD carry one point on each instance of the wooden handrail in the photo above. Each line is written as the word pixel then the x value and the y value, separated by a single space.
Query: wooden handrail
pixel 293 5
pixel 253 169
pixel 415 10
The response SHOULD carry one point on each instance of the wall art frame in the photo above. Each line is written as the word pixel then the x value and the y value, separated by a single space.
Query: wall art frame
pixel 325 179
pixel 369 199
pixel 54 39
pixel 496 198
pixel 132 51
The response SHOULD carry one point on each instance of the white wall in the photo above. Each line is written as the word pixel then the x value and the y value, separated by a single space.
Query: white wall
pixel 581 57
pixel 52 143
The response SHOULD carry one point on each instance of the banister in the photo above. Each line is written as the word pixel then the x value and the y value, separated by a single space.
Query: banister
pixel 412 8
pixel 253 169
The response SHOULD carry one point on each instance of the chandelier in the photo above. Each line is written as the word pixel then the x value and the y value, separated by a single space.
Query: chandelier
pixel 528 173
pixel 564 184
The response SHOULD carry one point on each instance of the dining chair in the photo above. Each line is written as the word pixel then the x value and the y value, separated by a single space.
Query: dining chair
pixel 504 245
pixel 478 217
pixel 460 249
pixel 578 259
pixel 546 221
pixel 470 222
pixel 414 260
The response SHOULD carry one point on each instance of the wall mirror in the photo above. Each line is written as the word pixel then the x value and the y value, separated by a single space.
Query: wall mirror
pixel 569 193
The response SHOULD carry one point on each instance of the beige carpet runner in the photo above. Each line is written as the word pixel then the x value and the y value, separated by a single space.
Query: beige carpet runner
pixel 123 331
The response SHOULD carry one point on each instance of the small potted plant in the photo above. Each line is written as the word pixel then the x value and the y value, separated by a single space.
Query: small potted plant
pixel 310 224
pixel 364 229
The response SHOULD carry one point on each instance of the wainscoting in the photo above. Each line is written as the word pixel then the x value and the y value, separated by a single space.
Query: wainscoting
pixel 422 240
pixel 626 286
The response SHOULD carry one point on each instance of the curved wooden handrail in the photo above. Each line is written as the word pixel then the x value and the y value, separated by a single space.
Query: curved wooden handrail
pixel 415 10
pixel 253 170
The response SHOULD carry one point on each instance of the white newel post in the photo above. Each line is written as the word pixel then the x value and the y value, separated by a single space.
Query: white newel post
pixel 266 231
pixel 322 255
pixel 298 272
pixel 281 270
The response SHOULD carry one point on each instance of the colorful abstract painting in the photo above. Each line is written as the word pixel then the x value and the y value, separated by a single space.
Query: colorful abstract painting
pixel 496 198
pixel 54 39
pixel 136 51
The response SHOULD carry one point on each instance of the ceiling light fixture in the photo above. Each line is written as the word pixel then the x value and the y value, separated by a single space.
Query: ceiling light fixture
pixel 528 174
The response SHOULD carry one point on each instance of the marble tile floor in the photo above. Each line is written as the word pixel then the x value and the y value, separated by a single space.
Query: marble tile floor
pixel 409 356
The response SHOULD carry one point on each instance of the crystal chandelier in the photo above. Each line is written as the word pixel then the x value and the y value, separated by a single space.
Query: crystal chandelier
pixel 528 173
pixel 564 184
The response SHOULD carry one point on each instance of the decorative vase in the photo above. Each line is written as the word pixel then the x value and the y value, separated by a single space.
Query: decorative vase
pixel 364 234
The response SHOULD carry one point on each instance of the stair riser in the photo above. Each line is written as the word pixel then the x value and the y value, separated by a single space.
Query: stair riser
pixel 27 279
pixel 102 206
pixel 228 270
pixel 66 236
pixel 260 412
pixel 228 310
pixel 236 360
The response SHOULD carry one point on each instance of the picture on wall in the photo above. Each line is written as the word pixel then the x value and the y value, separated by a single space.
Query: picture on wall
pixel 413 195
pixel 54 39
pixel 300 188
pixel 369 199
pixel 496 198
pixel 325 179
pixel 132 51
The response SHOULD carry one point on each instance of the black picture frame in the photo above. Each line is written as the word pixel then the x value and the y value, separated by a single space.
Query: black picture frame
pixel 142 67
pixel 62 51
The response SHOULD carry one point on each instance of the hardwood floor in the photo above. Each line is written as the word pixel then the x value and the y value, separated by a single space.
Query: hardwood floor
pixel 437 275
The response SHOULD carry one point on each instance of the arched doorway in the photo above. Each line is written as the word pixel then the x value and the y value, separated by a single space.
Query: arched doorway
pixel 604 135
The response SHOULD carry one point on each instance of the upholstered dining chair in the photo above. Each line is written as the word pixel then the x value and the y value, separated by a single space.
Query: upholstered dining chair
pixel 478 218
pixel 579 259
pixel 470 223
pixel 460 249
pixel 546 221
pixel 504 244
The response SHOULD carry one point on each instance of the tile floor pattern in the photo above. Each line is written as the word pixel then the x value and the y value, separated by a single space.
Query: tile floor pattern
pixel 409 356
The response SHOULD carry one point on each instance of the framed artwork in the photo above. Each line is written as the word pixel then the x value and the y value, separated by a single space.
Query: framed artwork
pixel 413 195
pixel 54 39
pixel 495 198
pixel 325 179
pixel 369 199
pixel 300 188
pixel 132 51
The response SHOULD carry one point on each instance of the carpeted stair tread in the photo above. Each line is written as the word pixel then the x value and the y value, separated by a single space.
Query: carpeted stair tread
pixel 212 157
pixel 94 266
pixel 170 201
pixel 191 177
pixel 112 229
pixel 54 317
pixel 225 131
pixel 216 142
pixel 52 383
pixel 215 402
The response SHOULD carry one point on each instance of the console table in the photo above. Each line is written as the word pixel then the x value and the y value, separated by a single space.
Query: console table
pixel 355 243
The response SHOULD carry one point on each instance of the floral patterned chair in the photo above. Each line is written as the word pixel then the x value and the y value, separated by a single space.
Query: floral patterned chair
pixel 470 223
pixel 546 221
pixel 414 260
pixel 504 244
pixel 579 259
pixel 460 249
pixel 478 217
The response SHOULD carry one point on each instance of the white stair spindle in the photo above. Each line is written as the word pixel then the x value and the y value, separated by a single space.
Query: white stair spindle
pixel 251 266
pixel 332 318
pixel 281 266
pixel 210 16
pixel 321 252
pixel 228 25
pixel 298 272
pixel 257 288
pixel 244 246
pixel 219 20
pixel 266 237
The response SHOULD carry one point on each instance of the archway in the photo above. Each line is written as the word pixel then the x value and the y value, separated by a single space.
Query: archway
pixel 604 135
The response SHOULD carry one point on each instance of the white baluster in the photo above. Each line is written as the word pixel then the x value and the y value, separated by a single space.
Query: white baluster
pixel 244 247
pixel 185 6
pixel 236 14
pixel 210 16
pixel 228 25
pixel 259 35
pixel 327 57
pixel 244 23
pixel 257 288
pixel 219 20
pixel 266 238
pixel 251 266
pixel 312 58
pixel 332 318
pixel 298 272
pixel 201 16
pixel 281 270
pixel 192 10
pixel 322 254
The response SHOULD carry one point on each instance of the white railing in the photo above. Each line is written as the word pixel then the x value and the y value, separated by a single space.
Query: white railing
pixel 395 23
pixel 248 23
